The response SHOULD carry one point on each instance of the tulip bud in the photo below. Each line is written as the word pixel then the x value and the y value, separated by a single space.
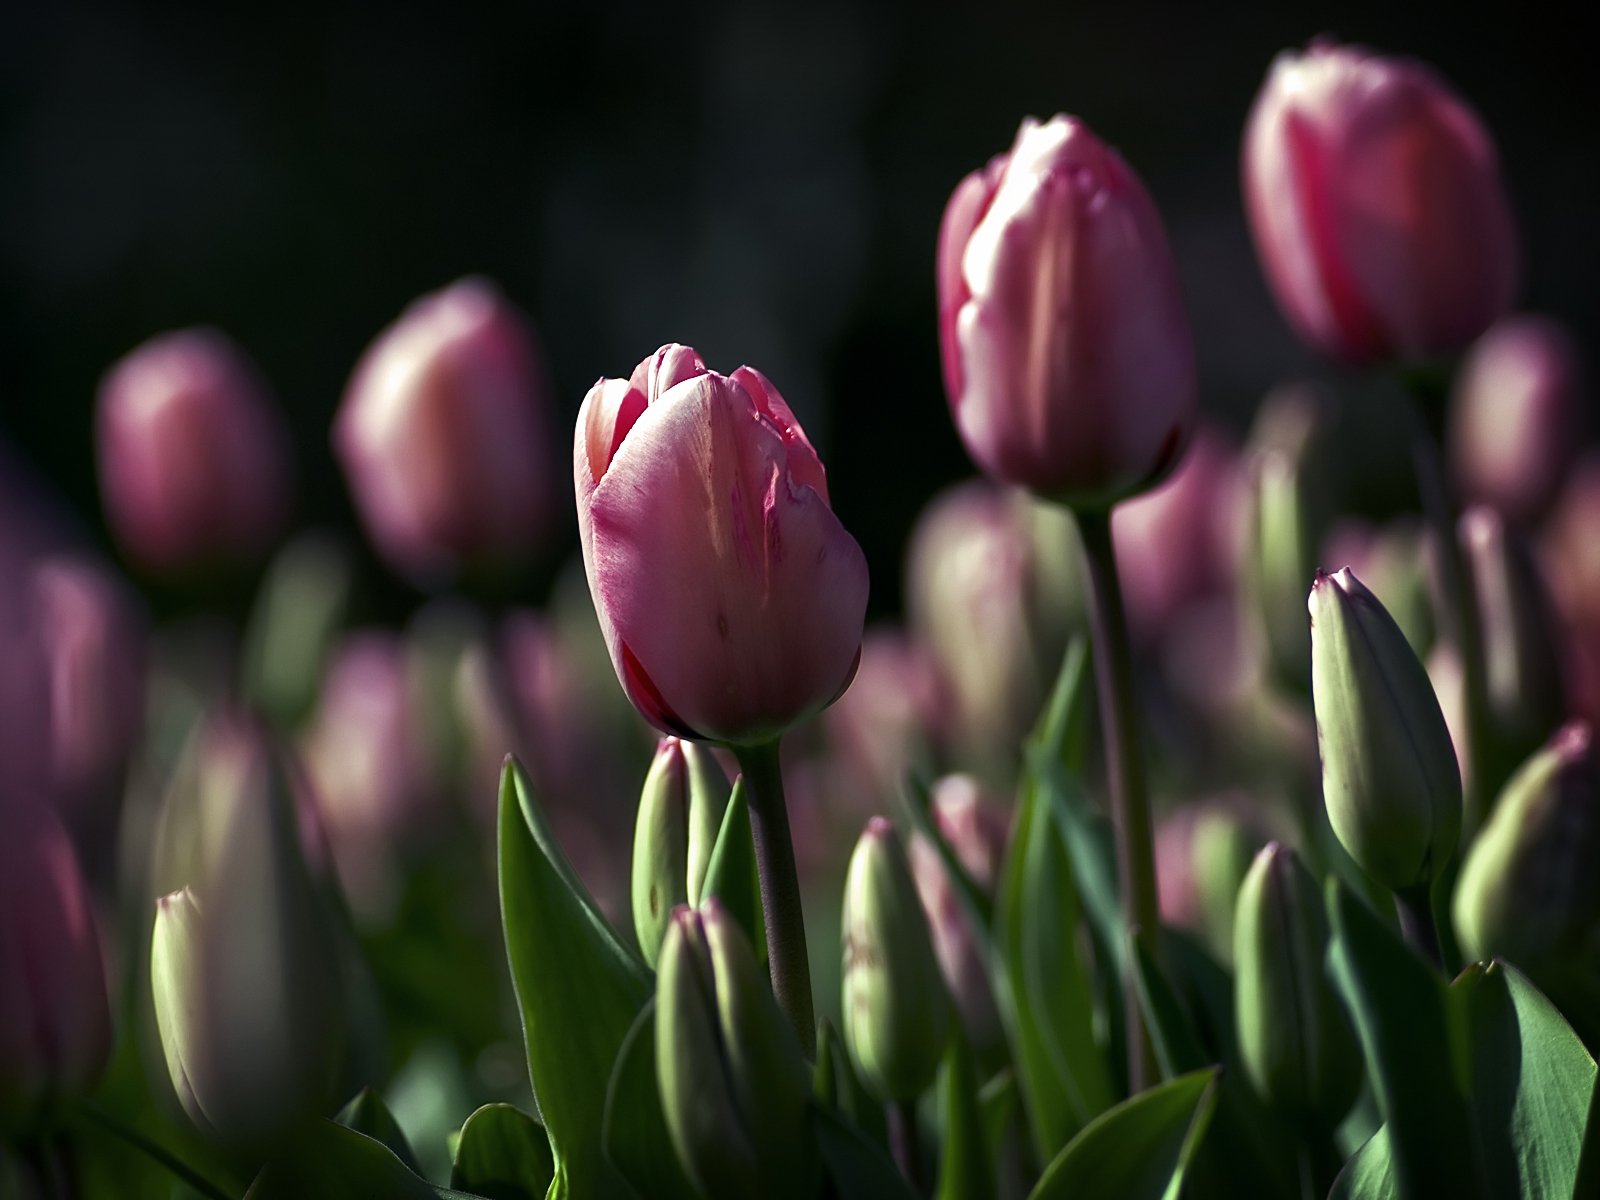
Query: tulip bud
pixel 1522 653
pixel 1529 890
pixel 986 558
pixel 974 829
pixel 92 636
pixel 731 597
pixel 1517 416
pixel 1288 506
pixel 1294 1036
pixel 55 1017
pixel 367 753
pixel 444 437
pixel 734 1085
pixel 1389 775
pixel 244 969
pixel 1067 354
pixel 1364 177
pixel 896 1011
pixel 680 812
pixel 194 456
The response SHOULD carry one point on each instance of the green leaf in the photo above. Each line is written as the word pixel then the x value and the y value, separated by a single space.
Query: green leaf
pixel 1140 1149
pixel 368 1114
pixel 1043 991
pixel 1062 734
pixel 997 1104
pixel 858 1166
pixel 1532 1083
pixel 1409 1038
pixel 731 871
pixel 503 1154
pixel 1370 1174
pixel 635 1133
pixel 964 1163
pixel 328 1160
pixel 1172 1031
pixel 578 988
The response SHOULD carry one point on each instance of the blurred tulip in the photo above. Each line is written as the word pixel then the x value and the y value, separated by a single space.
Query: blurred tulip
pixel 193 453
pixel 984 558
pixel 1294 1037
pixel 1517 416
pixel 896 1010
pixel 731 597
pixel 680 811
pixel 1364 179
pixel 1389 775
pixel 1288 509
pixel 1068 360
pixel 25 735
pixel 1522 647
pixel 1570 554
pixel 879 728
pixel 1529 890
pixel 55 1015
pixel 734 1086
pixel 444 435
pixel 367 753
pixel 1181 541
pixel 245 972
pixel 92 635
pixel 1203 851
pixel 975 829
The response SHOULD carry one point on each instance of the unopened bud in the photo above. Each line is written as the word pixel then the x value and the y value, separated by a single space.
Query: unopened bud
pixel 1389 774
pixel 1529 890
pixel 734 1084
pixel 1294 1036
pixel 896 1012
pixel 680 811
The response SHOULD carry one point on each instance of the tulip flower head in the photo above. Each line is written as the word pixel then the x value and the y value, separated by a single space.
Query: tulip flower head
pixel 55 1017
pixel 194 457
pixel 731 597
pixel 1375 198
pixel 1067 353
pixel 443 434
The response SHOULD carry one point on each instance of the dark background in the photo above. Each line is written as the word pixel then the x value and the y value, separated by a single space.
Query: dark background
pixel 764 183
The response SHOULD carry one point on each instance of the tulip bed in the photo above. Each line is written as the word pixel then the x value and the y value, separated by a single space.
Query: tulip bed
pixel 1203 843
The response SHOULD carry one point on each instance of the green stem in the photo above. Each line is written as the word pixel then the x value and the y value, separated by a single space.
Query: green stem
pixel 1130 803
pixel 150 1149
pixel 780 889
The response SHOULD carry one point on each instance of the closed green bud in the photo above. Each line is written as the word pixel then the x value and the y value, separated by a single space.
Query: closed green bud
pixel 1287 511
pixel 896 1011
pixel 245 973
pixel 1389 774
pixel 1529 890
pixel 1294 1036
pixel 734 1083
pixel 1521 651
pixel 680 810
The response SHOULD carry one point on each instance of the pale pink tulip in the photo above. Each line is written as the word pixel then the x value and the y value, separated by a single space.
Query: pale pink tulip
pixel 731 597
pixel 193 453
pixel 1375 198
pixel 1067 353
pixel 444 434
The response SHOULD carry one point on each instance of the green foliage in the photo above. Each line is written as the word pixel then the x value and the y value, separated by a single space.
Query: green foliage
pixel 503 1154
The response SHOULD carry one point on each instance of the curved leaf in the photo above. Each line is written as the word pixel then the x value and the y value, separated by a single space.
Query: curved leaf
pixel 578 988
pixel 858 1166
pixel 503 1154
pixel 731 871
pixel 634 1132
pixel 1369 1175
pixel 368 1114
pixel 964 1163
pixel 1138 1150
pixel 328 1160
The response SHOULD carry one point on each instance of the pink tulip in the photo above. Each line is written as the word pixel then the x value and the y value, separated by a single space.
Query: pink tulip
pixel 1517 416
pixel 91 633
pixel 55 1016
pixel 1067 354
pixel 444 434
pixel 1375 198
pixel 731 597
pixel 194 457
pixel 24 678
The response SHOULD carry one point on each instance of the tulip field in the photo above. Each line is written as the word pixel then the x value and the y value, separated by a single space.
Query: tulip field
pixel 1209 820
